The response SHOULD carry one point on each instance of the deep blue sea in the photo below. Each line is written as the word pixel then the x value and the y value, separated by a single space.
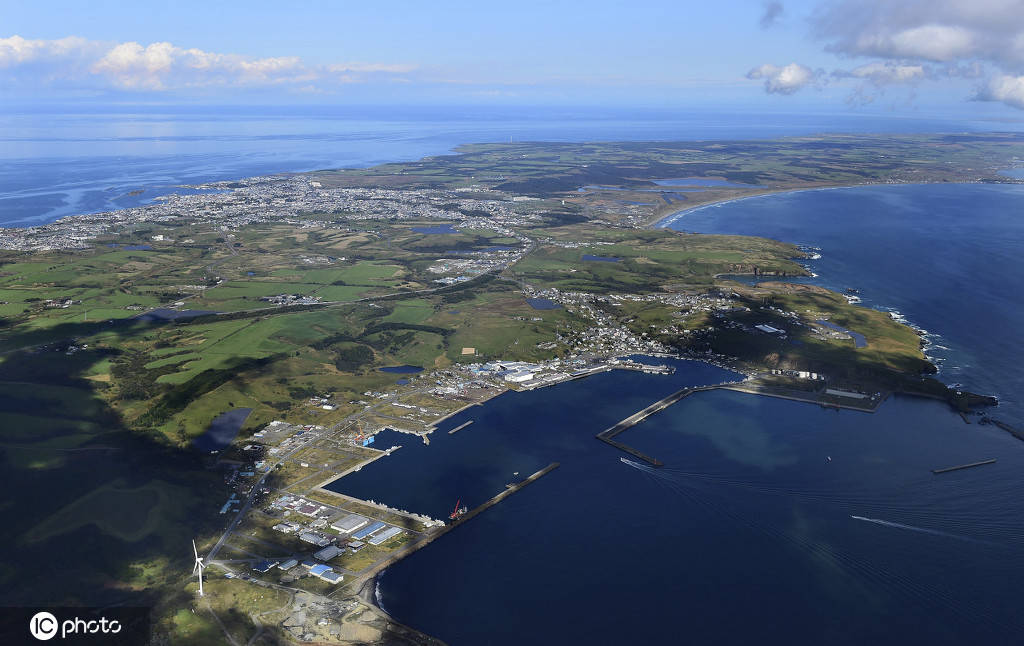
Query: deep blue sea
pixel 947 258
pixel 58 161
pixel 747 535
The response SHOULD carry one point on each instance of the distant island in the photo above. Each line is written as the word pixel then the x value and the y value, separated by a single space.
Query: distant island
pixel 328 306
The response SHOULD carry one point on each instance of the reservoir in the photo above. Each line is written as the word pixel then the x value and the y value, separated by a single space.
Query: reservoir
pixel 747 501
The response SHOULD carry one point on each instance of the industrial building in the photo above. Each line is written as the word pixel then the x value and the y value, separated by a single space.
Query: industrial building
pixel 287 565
pixel 264 566
pixel 380 537
pixel 314 538
pixel 327 553
pixel 366 531
pixel 349 523
pixel 326 573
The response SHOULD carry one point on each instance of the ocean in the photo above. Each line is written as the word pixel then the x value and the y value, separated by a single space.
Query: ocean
pixel 59 161
pixel 771 522
pixel 944 258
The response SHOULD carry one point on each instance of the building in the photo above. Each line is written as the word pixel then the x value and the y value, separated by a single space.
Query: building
pixel 366 531
pixel 317 570
pixel 328 553
pixel 287 565
pixel 519 376
pixel 380 537
pixel 326 573
pixel 355 546
pixel 767 329
pixel 349 523
pixel 314 538
pixel 264 566
pixel 332 577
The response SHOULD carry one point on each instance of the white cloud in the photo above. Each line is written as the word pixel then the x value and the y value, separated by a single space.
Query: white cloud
pixel 887 73
pixel 925 30
pixel 938 40
pixel 785 80
pixel 164 66
pixel 1006 89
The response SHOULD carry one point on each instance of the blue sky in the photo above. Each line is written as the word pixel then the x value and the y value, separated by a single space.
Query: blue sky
pixel 891 55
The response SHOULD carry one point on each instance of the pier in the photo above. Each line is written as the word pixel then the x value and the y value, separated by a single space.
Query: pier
pixel 460 427
pixel 963 466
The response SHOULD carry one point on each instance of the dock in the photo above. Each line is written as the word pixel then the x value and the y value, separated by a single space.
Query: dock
pixel 963 466
pixel 460 427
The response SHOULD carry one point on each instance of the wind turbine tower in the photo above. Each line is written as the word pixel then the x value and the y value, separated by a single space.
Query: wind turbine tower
pixel 198 569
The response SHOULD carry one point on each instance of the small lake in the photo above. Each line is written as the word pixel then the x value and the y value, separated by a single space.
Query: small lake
pixel 543 304
pixel 591 258
pixel 859 341
pixel 401 370
pixel 222 431
pixel 439 229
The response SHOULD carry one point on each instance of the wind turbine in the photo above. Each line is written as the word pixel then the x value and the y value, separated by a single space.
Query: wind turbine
pixel 199 567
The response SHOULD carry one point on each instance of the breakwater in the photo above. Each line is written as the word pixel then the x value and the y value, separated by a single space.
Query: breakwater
pixel 963 466
pixel 609 434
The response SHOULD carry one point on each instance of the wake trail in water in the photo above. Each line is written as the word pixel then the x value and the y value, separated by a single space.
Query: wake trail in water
pixel 924 530
pixel 703 495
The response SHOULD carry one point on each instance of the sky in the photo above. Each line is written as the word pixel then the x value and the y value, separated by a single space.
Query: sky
pixel 962 57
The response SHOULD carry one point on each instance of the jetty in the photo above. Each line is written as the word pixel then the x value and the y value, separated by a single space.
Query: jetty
pixel 963 466
pixel 460 427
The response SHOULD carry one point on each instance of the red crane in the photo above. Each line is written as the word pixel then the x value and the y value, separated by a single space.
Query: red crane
pixel 458 511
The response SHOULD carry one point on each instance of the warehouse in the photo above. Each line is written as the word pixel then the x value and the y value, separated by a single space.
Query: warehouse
pixel 380 537
pixel 366 531
pixel 349 523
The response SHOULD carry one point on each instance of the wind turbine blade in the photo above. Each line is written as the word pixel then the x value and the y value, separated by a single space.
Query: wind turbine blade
pixel 195 568
pixel 194 548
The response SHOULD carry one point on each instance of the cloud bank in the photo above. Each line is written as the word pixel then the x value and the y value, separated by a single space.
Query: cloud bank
pixel 159 67
pixel 911 41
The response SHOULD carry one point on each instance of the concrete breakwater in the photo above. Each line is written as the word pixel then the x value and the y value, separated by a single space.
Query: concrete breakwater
pixel 609 434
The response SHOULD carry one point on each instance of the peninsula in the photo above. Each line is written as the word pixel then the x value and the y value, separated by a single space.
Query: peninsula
pixel 318 309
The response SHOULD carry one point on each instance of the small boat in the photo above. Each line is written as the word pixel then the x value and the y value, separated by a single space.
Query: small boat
pixel 828 458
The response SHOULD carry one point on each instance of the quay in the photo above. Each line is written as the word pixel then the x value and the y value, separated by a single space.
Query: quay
pixel 403 552
pixel 963 466
pixel 460 427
